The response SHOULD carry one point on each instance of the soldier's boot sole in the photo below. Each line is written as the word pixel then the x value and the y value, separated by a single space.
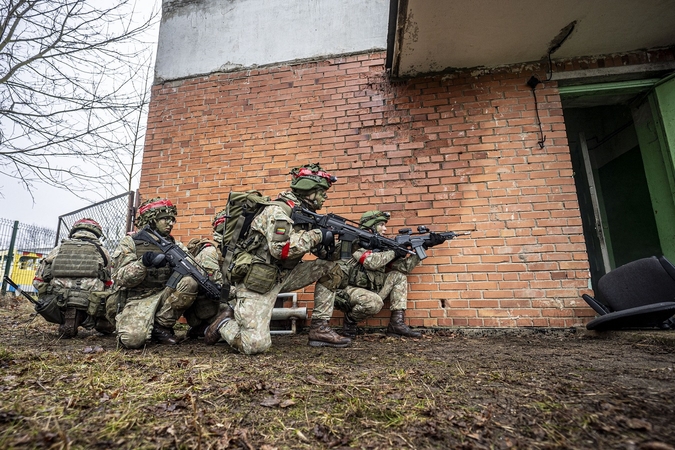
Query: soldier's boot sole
pixel 68 329
pixel 327 344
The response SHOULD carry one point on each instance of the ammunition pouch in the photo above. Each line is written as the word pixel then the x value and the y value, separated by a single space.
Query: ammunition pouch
pixel 261 277
pixel 50 307
pixel 97 303
pixel 240 267
pixel 76 298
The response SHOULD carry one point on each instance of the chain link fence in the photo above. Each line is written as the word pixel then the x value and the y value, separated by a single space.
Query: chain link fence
pixel 23 246
pixel 115 215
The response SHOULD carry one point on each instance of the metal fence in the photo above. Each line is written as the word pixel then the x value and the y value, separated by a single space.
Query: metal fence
pixel 22 246
pixel 114 214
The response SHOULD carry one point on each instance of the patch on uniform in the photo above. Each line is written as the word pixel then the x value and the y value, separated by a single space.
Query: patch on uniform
pixel 281 229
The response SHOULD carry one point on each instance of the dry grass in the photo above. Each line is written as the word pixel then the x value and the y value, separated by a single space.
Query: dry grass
pixel 554 390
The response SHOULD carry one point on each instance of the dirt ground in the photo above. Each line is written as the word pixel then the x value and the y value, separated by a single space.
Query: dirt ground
pixel 467 389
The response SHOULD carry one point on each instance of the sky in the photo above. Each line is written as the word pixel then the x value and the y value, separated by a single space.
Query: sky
pixel 48 203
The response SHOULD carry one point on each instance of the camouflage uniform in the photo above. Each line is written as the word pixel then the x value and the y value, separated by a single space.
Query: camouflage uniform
pixel 374 276
pixel 143 306
pixel 77 275
pixel 279 245
pixel 372 279
pixel 208 255
pixel 249 333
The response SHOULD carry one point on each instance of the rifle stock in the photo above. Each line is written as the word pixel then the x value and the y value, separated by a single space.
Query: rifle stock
pixel 182 263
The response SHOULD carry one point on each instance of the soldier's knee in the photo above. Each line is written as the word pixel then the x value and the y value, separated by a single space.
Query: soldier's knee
pixel 187 285
pixel 131 339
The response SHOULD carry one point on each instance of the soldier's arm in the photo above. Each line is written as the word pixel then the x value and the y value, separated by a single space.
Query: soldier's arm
pixel 283 241
pixel 406 265
pixel 208 259
pixel 43 274
pixel 127 269
pixel 374 260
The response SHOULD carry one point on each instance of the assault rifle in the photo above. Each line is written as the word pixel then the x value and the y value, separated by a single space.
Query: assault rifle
pixel 182 263
pixel 16 287
pixel 420 241
pixel 348 234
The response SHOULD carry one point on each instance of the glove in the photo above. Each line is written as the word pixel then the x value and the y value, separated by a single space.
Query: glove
pixel 152 259
pixel 400 252
pixel 434 239
pixel 327 238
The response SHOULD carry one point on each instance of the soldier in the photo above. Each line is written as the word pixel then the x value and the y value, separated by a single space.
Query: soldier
pixel 207 253
pixel 375 275
pixel 146 308
pixel 75 274
pixel 269 262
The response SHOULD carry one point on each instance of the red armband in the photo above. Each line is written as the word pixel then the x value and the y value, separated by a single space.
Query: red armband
pixel 364 256
pixel 285 250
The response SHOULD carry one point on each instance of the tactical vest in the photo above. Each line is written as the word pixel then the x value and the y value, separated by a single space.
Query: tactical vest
pixel 79 259
pixel 254 247
pixel 156 277
pixel 359 276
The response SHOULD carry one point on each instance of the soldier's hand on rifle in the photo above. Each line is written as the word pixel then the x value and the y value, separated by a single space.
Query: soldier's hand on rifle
pixel 434 239
pixel 152 259
pixel 401 252
pixel 327 238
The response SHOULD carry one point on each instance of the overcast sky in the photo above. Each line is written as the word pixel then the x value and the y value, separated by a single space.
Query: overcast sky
pixel 49 203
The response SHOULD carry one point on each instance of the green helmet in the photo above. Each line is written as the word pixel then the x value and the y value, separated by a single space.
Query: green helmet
pixel 153 209
pixel 87 224
pixel 371 218
pixel 309 177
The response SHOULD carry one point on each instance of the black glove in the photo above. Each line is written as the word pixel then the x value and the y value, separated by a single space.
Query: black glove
pixel 327 238
pixel 401 252
pixel 152 259
pixel 434 239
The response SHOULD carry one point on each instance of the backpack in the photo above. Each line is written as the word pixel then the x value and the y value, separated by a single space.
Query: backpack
pixel 241 209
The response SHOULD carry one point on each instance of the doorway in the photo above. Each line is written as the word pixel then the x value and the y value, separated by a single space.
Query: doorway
pixel 618 139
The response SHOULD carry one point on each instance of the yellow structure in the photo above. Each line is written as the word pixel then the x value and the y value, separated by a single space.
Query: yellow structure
pixel 24 266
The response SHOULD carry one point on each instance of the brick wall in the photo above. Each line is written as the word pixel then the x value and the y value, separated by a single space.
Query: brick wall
pixel 456 152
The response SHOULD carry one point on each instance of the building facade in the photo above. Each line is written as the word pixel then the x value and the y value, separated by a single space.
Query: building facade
pixel 524 154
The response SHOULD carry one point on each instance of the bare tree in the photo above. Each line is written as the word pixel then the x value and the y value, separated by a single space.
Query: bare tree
pixel 69 85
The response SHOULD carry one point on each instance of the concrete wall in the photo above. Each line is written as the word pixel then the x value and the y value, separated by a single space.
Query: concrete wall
pixel 456 152
pixel 204 36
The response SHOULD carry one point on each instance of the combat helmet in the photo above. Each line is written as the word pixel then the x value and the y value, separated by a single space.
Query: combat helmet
pixel 371 218
pixel 87 224
pixel 154 209
pixel 309 177
pixel 218 223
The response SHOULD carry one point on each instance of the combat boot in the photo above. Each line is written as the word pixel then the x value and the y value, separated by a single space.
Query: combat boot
pixel 103 326
pixel 349 328
pixel 163 335
pixel 197 331
pixel 212 333
pixel 73 318
pixel 398 328
pixel 321 335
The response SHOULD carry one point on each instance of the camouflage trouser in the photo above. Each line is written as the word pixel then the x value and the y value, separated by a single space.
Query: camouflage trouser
pixel 249 332
pixel 396 287
pixel 366 303
pixel 134 323
pixel 173 303
pixel 205 309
